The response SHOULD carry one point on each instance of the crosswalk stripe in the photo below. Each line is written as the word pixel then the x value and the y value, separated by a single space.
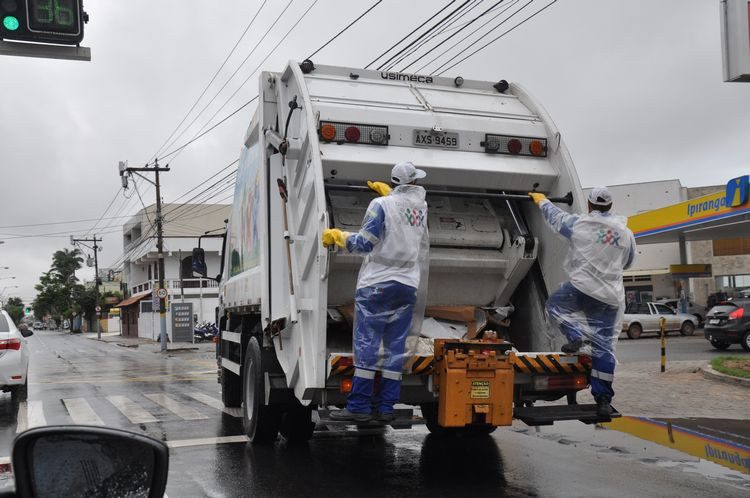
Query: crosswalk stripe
pixel 36 414
pixel 81 412
pixel 22 417
pixel 215 403
pixel 182 411
pixel 131 410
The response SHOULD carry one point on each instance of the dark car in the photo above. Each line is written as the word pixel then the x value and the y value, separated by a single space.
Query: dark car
pixel 728 323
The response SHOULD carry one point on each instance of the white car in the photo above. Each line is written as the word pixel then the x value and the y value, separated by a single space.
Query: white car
pixel 14 358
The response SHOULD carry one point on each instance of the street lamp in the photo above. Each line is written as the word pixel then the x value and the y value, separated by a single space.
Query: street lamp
pixel 6 278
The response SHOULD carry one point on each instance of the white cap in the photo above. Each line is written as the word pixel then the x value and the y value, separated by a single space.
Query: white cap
pixel 404 173
pixel 600 196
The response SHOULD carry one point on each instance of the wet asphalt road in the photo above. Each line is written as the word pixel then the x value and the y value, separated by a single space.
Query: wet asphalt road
pixel 569 459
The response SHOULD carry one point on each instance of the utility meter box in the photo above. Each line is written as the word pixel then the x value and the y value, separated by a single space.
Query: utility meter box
pixel 735 39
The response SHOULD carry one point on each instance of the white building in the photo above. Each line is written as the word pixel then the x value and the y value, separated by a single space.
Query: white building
pixel 183 225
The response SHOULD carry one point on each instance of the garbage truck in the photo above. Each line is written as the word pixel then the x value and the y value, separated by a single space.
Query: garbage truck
pixel 485 353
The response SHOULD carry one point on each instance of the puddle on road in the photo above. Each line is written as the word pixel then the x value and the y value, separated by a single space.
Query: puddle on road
pixel 710 449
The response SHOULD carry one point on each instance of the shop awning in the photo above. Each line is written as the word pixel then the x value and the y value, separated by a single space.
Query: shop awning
pixel 133 299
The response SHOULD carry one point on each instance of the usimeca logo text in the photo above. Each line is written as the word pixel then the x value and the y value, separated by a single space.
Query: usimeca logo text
pixel 414 217
pixel 406 77
pixel 608 237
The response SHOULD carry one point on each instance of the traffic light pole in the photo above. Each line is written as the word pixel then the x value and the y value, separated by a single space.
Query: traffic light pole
pixel 159 243
pixel 96 281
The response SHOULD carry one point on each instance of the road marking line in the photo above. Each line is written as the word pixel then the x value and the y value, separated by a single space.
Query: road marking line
pixel 81 412
pixel 22 417
pixel 182 411
pixel 205 441
pixel 215 403
pixel 131 410
pixel 36 414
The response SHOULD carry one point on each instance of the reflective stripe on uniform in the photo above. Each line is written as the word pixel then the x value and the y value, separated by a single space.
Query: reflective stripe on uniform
pixel 392 262
pixel 602 375
pixel 364 374
pixel 369 237
pixel 392 375
pixel 372 214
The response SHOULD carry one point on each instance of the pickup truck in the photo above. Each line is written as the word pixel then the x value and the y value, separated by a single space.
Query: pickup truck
pixel 644 317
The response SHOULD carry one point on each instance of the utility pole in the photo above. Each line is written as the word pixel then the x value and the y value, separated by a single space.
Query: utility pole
pixel 124 169
pixel 96 248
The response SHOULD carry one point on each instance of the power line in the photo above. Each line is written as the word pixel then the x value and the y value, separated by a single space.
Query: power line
pixel 346 28
pixel 411 33
pixel 105 211
pixel 213 78
pixel 451 36
pixel 440 22
pixel 500 36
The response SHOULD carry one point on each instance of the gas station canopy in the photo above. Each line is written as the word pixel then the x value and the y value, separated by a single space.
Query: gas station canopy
pixel 721 215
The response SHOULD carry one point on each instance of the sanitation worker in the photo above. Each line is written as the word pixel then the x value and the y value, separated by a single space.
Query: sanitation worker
pixel 589 308
pixel 395 240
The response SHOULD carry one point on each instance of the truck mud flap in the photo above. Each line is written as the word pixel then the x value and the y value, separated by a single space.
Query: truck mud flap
pixel 404 419
pixel 547 415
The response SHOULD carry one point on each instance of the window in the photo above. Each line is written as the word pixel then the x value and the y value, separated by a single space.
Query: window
pixel 4 326
pixel 638 309
pixel 664 310
pixel 147 306
pixel 732 247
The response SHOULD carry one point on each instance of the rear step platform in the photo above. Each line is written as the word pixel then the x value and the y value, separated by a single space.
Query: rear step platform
pixel 404 419
pixel 547 415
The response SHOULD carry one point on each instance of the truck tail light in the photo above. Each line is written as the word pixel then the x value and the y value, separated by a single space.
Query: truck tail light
pixel 14 344
pixel 353 133
pixel 346 385
pixel 559 382
pixel 737 314
pixel 515 146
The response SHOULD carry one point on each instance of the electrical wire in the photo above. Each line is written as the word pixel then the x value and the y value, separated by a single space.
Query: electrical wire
pixel 213 78
pixel 309 57
pixel 500 36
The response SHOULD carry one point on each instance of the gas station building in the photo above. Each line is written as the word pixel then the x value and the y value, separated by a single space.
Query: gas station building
pixel 697 238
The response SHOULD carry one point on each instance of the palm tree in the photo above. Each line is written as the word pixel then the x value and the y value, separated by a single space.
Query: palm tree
pixel 65 262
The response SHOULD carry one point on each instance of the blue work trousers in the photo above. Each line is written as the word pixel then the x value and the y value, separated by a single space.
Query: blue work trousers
pixel 383 315
pixel 597 328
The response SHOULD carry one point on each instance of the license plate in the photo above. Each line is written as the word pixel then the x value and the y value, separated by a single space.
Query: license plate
pixel 714 321
pixel 440 139
pixel 480 389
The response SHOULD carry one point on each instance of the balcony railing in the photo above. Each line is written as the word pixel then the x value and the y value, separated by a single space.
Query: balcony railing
pixel 175 285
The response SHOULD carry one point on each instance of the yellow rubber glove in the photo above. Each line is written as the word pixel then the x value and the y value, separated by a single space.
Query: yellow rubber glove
pixel 537 197
pixel 335 236
pixel 381 188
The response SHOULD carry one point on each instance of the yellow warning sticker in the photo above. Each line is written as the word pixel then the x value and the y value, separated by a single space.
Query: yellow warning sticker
pixel 480 389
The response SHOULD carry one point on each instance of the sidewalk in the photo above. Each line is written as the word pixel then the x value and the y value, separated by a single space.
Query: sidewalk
pixel 142 344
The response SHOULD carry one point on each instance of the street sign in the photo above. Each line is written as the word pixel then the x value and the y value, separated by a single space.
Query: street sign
pixel 182 322
pixel 43 21
pixel 98 309
pixel 690 271
pixel 161 293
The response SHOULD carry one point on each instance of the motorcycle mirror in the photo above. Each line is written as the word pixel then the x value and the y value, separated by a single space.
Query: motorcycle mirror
pixel 89 461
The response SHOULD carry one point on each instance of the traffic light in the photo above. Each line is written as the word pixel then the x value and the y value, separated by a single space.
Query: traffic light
pixel 43 21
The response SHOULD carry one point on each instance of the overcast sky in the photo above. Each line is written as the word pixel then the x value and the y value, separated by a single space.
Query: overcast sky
pixel 634 86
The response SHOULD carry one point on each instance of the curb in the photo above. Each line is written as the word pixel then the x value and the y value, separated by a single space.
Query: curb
pixel 712 374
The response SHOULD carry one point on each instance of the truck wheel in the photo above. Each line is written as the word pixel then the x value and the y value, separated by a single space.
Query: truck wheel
pixel 746 341
pixel 261 422
pixel 231 389
pixel 634 331
pixel 297 425
pixel 20 393
pixel 719 345
pixel 688 328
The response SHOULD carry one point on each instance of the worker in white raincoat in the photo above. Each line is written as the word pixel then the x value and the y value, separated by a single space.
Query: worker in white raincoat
pixel 589 308
pixel 395 240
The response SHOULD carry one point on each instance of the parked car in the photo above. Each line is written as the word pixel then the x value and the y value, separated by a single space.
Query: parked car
pixel 14 357
pixel 729 323
pixel 697 311
pixel 644 317
pixel 38 326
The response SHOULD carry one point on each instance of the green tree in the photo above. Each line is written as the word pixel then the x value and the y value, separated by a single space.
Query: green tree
pixel 14 307
pixel 65 262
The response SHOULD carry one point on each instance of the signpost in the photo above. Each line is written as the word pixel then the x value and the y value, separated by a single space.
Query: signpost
pixel 182 322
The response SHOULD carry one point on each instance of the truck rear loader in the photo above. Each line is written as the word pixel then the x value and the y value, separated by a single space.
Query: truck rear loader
pixel 285 312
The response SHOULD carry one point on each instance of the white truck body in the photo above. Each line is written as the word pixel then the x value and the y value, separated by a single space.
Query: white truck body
pixel 484 250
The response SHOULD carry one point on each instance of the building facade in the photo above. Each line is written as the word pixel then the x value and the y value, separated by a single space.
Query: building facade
pixel 184 225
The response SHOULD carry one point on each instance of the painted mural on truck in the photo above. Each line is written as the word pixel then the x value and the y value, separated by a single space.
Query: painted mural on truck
pixel 243 243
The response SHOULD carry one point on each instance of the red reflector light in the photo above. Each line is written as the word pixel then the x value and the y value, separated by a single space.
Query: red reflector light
pixel 559 382
pixel 346 385
pixel 514 146
pixel 737 314
pixel 16 377
pixel 14 344
pixel 351 134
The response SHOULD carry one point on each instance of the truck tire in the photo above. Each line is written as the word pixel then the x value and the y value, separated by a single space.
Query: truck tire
pixel 261 422
pixel 688 328
pixel 231 389
pixel 430 415
pixel 635 330
pixel 719 345
pixel 297 425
